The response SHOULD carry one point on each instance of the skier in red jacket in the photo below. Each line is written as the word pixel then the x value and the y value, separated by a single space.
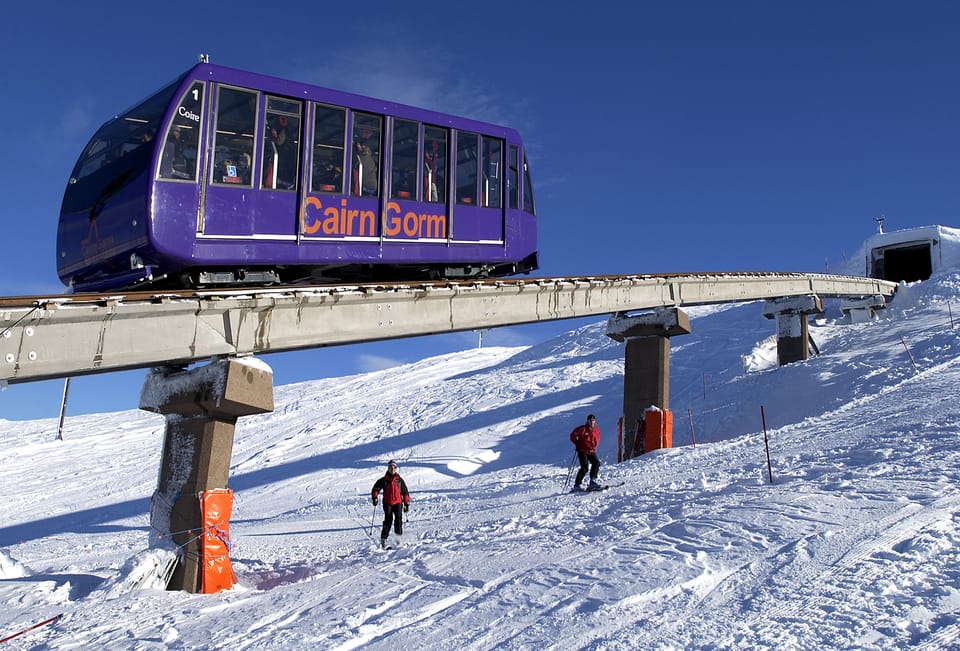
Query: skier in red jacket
pixel 395 497
pixel 586 438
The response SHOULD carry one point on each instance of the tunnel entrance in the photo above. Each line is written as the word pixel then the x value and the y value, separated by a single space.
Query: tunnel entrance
pixel 904 261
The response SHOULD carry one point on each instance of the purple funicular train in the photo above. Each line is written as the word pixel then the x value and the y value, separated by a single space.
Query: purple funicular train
pixel 226 177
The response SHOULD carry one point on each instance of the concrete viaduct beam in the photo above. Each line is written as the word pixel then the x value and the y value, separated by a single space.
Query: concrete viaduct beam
pixel 54 337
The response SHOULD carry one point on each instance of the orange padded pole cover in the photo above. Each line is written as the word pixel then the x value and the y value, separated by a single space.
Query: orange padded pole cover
pixel 659 426
pixel 215 507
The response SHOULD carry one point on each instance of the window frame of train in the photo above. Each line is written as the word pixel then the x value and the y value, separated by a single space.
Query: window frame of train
pixel 366 130
pixel 115 142
pixel 234 164
pixel 435 169
pixel 513 178
pixel 187 119
pixel 404 154
pixel 417 168
pixel 478 174
pixel 466 170
pixel 529 205
pixel 324 152
pixel 237 116
pixel 275 110
pixel 491 172
pixel 120 151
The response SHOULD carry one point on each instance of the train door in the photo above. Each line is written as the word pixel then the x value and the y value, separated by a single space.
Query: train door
pixel 279 199
pixel 252 182
pixel 478 214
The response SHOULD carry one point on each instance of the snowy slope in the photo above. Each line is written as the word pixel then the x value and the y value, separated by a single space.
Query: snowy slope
pixel 853 545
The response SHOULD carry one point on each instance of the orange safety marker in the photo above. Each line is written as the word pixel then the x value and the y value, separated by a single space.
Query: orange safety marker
pixel 216 571
pixel 659 429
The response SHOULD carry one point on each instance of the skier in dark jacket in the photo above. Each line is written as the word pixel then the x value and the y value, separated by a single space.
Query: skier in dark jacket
pixel 395 498
pixel 586 438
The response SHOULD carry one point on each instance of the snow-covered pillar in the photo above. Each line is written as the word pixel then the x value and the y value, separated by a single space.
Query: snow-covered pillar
pixel 793 332
pixel 646 368
pixel 201 407
pixel 863 309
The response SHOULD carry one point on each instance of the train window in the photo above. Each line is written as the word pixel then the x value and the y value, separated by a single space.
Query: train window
pixel 233 139
pixel 435 164
pixel 329 132
pixel 528 205
pixel 403 167
pixel 133 131
pixel 179 157
pixel 466 167
pixel 492 172
pixel 513 178
pixel 281 144
pixel 365 179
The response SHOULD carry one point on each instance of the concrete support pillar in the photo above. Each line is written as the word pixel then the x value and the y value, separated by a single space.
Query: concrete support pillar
pixel 201 408
pixel 646 370
pixel 793 334
pixel 863 309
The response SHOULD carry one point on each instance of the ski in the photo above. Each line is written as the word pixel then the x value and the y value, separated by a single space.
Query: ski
pixel 600 489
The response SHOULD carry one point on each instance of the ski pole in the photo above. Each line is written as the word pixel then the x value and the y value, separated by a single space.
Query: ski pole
pixel 30 628
pixel 570 470
pixel 373 519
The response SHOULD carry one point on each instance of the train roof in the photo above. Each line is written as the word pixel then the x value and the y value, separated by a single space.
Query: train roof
pixel 304 90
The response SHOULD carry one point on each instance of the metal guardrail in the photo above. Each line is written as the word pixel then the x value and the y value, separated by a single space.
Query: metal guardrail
pixel 50 337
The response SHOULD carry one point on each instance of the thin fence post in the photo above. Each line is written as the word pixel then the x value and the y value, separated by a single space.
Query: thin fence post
pixel 766 444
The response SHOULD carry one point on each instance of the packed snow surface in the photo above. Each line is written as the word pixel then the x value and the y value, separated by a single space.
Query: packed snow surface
pixel 854 543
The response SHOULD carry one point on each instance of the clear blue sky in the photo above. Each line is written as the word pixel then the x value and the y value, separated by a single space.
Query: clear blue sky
pixel 663 137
